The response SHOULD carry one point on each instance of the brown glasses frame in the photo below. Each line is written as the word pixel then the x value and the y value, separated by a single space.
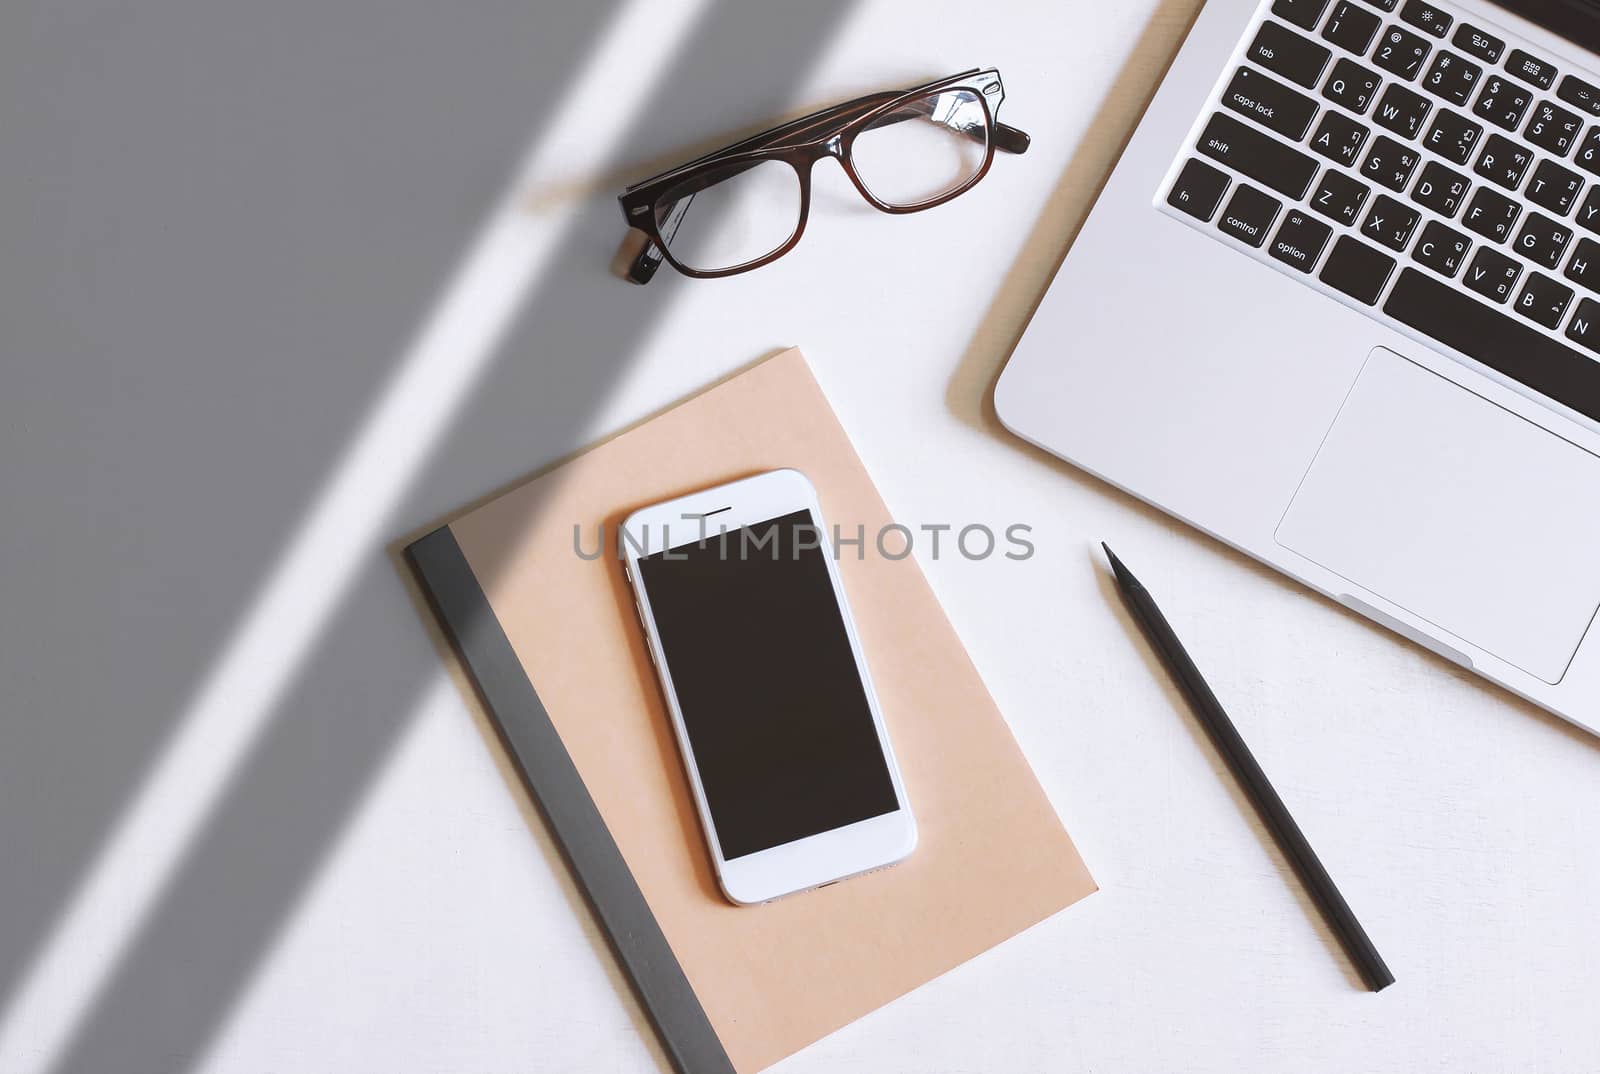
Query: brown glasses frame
pixel 800 143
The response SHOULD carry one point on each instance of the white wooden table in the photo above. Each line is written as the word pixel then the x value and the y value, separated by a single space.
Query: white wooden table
pixel 301 852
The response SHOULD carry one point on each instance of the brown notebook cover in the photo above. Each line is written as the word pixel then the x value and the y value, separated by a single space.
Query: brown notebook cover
pixel 553 644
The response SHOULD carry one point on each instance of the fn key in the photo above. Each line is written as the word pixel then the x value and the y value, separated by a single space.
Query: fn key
pixel 1198 189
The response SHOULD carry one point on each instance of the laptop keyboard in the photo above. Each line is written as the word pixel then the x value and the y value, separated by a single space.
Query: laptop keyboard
pixel 1429 171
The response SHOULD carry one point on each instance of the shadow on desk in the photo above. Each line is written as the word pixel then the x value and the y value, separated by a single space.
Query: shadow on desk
pixel 202 363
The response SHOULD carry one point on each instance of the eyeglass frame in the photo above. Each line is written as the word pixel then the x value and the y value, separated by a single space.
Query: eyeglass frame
pixel 800 143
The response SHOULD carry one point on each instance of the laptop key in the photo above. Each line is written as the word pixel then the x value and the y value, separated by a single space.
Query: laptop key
pixel 1554 187
pixel 1303 13
pixel 1543 300
pixel 1492 274
pixel 1531 69
pixel 1426 17
pixel 1401 52
pixel 1357 270
pixel 1503 161
pixel 1502 102
pixel 1351 27
pixel 1249 215
pixel 1351 86
pixel 1588 157
pixel 1542 240
pixel 1584 268
pixel 1402 111
pixel 1589 211
pixel 1500 341
pixel 1386 5
pixel 1553 129
pixel 1453 137
pixel 1580 94
pixel 1441 248
pixel 1198 189
pixel 1390 222
pixel 1286 53
pixel 1491 214
pixel 1440 189
pixel 1340 197
pixel 1338 137
pixel 1452 78
pixel 1257 156
pixel 1300 240
pixel 1585 329
pixel 1270 103
pixel 1482 45
pixel 1390 163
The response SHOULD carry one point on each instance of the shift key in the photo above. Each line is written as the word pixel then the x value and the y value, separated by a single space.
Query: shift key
pixel 1257 155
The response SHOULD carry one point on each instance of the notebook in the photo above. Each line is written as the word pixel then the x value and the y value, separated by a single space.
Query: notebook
pixel 548 635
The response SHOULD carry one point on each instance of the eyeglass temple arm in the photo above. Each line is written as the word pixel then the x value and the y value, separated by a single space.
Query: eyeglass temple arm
pixel 1004 135
pixel 1011 139
pixel 643 267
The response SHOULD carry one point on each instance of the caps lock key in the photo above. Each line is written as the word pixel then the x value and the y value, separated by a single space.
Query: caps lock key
pixel 1270 103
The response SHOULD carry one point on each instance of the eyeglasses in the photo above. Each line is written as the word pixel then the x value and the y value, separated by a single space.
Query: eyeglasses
pixel 905 151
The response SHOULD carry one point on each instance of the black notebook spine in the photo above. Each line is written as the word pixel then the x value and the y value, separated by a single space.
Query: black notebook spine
pixel 557 788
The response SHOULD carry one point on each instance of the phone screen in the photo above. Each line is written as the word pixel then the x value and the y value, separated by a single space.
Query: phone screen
pixel 774 707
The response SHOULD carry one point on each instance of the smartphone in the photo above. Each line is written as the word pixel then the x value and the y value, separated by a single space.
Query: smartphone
pixel 781 732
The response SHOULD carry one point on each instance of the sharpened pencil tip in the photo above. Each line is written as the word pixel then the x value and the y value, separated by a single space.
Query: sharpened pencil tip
pixel 1111 557
pixel 1124 575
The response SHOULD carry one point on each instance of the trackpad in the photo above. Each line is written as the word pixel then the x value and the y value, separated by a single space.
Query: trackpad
pixel 1459 511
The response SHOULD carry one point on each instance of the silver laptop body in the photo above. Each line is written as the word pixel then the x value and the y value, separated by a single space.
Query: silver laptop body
pixel 1335 307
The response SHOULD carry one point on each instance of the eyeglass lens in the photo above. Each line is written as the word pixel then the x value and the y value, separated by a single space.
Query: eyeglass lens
pixel 737 214
pixel 924 149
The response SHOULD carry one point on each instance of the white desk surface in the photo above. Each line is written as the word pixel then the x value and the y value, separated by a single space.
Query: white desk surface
pixel 284 866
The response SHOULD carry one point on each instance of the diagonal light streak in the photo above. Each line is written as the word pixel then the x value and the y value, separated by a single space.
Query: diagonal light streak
pixel 233 705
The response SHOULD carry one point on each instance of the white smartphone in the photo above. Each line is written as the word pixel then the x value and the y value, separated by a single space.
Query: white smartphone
pixel 787 754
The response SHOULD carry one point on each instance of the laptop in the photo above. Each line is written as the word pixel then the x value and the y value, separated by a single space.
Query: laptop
pixel 1338 306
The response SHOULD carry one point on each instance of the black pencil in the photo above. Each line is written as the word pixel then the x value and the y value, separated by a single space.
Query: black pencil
pixel 1271 808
